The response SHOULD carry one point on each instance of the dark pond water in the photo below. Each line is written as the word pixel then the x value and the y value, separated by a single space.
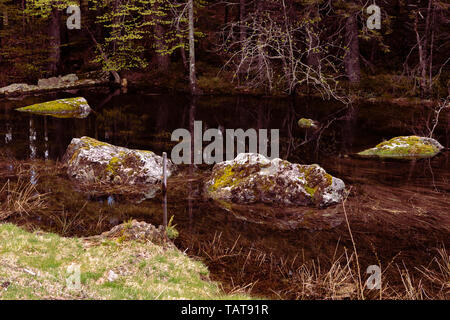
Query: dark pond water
pixel 397 209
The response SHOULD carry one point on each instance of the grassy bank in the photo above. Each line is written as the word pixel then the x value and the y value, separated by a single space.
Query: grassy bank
pixel 35 266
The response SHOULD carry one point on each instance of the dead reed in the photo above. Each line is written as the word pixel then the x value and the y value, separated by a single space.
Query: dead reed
pixel 20 198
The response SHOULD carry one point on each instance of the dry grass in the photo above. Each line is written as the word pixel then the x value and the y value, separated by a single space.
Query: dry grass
pixel 437 274
pixel 20 198
pixel 246 267
pixel 337 283
pixel 338 279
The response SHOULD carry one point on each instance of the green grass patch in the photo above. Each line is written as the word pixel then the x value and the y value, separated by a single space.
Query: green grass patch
pixel 35 266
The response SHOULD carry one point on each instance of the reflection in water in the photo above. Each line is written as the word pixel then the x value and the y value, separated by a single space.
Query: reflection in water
pixel 110 201
pixel 32 139
pixel 8 135
pixel 349 129
pixel 190 196
pixel 164 190
pixel 394 206
pixel 46 152
pixel 9 128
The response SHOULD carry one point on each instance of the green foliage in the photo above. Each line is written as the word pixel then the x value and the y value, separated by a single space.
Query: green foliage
pixel 124 24
pixel 171 231
pixel 23 47
pixel 130 25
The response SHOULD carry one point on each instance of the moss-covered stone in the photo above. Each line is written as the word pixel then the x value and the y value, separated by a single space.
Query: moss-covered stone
pixel 63 108
pixel 404 147
pixel 307 123
pixel 95 162
pixel 252 178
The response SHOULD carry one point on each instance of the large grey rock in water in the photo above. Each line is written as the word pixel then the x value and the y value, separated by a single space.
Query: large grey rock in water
pixel 252 178
pixel 92 161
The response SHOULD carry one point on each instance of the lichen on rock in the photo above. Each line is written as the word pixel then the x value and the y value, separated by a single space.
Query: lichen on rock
pixel 91 161
pixel 405 147
pixel 252 178
pixel 62 108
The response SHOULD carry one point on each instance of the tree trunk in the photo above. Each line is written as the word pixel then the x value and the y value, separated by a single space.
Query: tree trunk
pixel 162 58
pixel 313 58
pixel 422 59
pixel 313 55
pixel 84 8
pixel 351 59
pixel 192 75
pixel 183 56
pixel 425 49
pixel 55 41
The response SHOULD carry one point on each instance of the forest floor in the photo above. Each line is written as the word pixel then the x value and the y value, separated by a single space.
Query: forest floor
pixel 215 81
pixel 37 266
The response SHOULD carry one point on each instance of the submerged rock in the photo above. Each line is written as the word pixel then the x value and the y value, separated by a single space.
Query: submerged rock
pixel 307 123
pixel 90 161
pixel 252 178
pixel 405 147
pixel 286 218
pixel 63 108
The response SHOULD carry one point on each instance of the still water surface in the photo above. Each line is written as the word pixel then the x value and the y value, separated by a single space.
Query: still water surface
pixel 396 209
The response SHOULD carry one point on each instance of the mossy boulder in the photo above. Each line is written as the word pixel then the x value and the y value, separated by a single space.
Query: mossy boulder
pixel 90 161
pixel 252 178
pixel 63 108
pixel 308 124
pixel 405 147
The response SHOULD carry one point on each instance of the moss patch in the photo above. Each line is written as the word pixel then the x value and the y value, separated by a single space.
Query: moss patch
pixel 403 147
pixel 306 123
pixel 279 181
pixel 115 163
pixel 63 108
pixel 91 142
pixel 225 180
